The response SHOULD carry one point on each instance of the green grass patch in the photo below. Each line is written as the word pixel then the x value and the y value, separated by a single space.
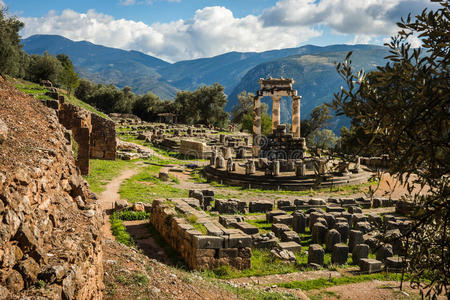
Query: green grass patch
pixel 322 283
pixel 146 186
pixel 263 225
pixel 129 215
pixel 103 171
pixel 119 230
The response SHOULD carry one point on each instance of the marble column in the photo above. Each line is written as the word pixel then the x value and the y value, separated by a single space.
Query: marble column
pixel 275 112
pixel 256 124
pixel 296 116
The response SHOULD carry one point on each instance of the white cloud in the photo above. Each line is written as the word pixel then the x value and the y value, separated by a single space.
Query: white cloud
pixel 127 2
pixel 366 18
pixel 212 31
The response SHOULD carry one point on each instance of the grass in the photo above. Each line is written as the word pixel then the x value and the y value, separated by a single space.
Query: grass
pixel 119 230
pixel 339 190
pixel 322 283
pixel 128 215
pixel 103 171
pixel 193 221
pixel 146 186
pixel 263 225
pixel 39 93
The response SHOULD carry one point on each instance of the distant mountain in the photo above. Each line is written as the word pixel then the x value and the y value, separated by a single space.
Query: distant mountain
pixel 107 65
pixel 312 67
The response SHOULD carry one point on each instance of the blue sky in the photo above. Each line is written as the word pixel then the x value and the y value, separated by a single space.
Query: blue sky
pixel 185 29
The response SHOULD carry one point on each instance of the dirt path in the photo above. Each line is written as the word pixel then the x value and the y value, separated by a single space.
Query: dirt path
pixel 109 196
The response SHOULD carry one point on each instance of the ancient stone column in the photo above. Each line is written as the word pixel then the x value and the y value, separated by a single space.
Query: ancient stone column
pixel 256 124
pixel 296 116
pixel 276 168
pixel 275 112
pixel 300 169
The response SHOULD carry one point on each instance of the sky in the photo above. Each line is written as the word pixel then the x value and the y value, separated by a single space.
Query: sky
pixel 176 30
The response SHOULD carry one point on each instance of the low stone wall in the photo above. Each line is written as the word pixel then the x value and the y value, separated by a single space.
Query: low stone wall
pixel 194 148
pixel 376 162
pixel 201 251
pixel 103 138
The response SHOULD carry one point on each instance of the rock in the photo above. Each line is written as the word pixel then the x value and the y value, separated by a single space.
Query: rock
pixel 339 254
pixel 138 206
pixel 343 229
pixel 354 210
pixel 271 214
pixel 384 251
pixel 291 246
pixel 260 206
pixel 359 252
pixel 29 270
pixel 396 264
pixel 332 237
pixel 319 232
pixel 364 227
pixel 28 243
pixel 3 132
pixel 278 228
pixel 368 266
pixel 69 287
pixel 164 175
pixel 290 236
pixel 14 282
pixel 52 273
pixel 4 293
pixel 315 254
pixel 283 219
pixel 121 204
pixel 299 222
pixel 355 238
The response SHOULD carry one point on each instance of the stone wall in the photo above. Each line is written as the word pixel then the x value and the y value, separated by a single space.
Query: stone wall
pixel 103 138
pixel 201 251
pixel 195 148
pixel 50 221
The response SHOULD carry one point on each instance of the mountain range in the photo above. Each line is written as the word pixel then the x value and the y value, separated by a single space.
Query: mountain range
pixel 312 67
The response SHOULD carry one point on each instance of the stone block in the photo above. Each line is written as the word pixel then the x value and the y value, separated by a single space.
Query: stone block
pixel 299 222
pixel 375 220
pixel 368 265
pixel 319 232
pixel 213 229
pixel 247 228
pixel 164 175
pixel 359 252
pixel 290 246
pixel 227 252
pixel 334 209
pixel 348 216
pixel 315 254
pixel 278 228
pixel 355 238
pixel 364 227
pixel 290 236
pixel 354 210
pixel 313 216
pixel 356 218
pixel 347 201
pixel 207 242
pixel 239 241
pixel 343 229
pixel 317 202
pixel 339 254
pixel 330 219
pixel 260 206
pixel 283 219
pixel 271 214
pixel 384 251
pixel 332 237
pixel 396 263
pixel 230 220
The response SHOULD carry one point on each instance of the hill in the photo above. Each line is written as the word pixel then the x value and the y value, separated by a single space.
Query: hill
pixel 106 65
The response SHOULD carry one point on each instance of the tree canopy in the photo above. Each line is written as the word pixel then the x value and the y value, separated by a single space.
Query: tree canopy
pixel 403 108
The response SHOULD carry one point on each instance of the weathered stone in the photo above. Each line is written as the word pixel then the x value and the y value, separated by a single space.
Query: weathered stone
pixel 299 222
pixel 317 201
pixel 354 210
pixel 319 232
pixel 138 206
pixel 364 227
pixel 247 228
pixel 14 282
pixel 207 242
pixel 3 131
pixel 239 241
pixel 332 237
pixel 343 229
pixel 360 251
pixel 339 254
pixel 271 214
pixel 290 236
pixel 212 229
pixel 313 218
pixel 291 246
pixel 260 206
pixel 121 204
pixel 283 219
pixel 164 175
pixel 355 238
pixel 315 254
pixel 29 270
pixel 384 251
pixel 334 209
pixel 278 228
pixel 396 263
pixel 368 265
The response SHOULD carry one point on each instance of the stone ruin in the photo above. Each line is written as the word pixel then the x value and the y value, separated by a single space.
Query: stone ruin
pixel 337 226
pixel 95 136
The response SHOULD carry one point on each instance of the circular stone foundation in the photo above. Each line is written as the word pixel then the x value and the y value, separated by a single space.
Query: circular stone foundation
pixel 286 180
